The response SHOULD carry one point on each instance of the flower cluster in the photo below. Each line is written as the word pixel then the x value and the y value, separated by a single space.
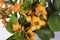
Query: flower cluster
pixel 33 16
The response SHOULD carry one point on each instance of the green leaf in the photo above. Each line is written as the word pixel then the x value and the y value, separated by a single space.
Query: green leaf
pixel 4 15
pixel 48 31
pixel 35 2
pixel 13 19
pixel 22 21
pixel 54 22
pixel 42 36
pixel 43 2
pixel 58 12
pixel 13 37
pixel 50 8
pixel 26 5
pixel 11 2
pixel 45 33
pixel 18 36
pixel 9 27
pixel 29 4
pixel 15 14
pixel 21 35
pixel 57 4
pixel 31 1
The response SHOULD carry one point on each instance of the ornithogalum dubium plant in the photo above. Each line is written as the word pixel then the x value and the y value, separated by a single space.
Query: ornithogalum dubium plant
pixel 30 17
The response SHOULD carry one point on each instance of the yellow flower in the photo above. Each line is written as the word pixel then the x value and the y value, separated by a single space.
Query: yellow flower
pixel 24 12
pixel 28 18
pixel 21 2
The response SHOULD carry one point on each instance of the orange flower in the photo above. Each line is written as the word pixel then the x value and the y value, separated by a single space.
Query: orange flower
pixel 6 7
pixel 33 28
pixel 35 20
pixel 4 22
pixel 45 17
pixel 29 12
pixel 1 16
pixel 42 23
pixel 1 2
pixel 44 12
pixel 16 26
pixel 7 12
pixel 35 24
pixel 15 8
pixel 32 36
pixel 40 10
pixel 22 28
